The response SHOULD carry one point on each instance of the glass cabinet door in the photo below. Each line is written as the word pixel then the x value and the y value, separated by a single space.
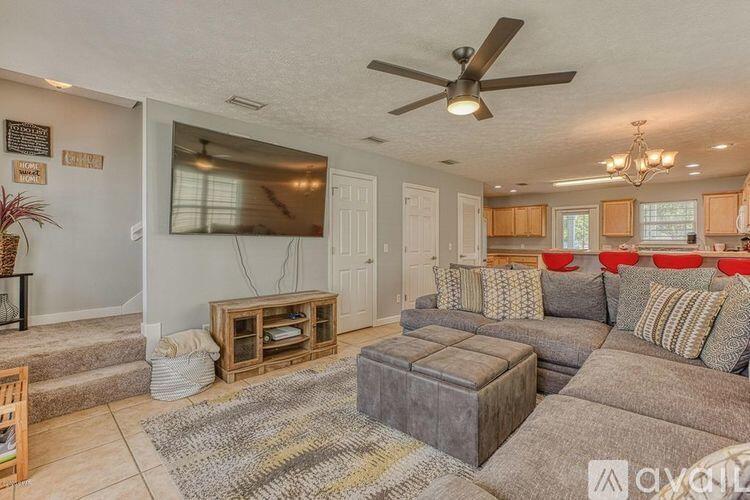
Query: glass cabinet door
pixel 325 323
pixel 245 338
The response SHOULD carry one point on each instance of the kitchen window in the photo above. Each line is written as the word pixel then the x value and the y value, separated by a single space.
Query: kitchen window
pixel 576 228
pixel 668 221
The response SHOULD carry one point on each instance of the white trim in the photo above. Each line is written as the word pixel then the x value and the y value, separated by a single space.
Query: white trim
pixel 373 235
pixel 387 320
pixel 594 236
pixel 131 306
pixel 152 332
pixel 404 187
pixel 477 226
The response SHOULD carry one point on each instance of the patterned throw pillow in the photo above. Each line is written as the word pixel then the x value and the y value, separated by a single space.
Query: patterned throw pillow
pixel 679 320
pixel 512 294
pixel 728 345
pixel 471 290
pixel 448 284
pixel 722 475
pixel 635 285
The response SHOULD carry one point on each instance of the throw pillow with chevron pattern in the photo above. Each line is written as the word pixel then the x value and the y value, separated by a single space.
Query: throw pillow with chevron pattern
pixel 508 294
pixel 448 285
pixel 678 319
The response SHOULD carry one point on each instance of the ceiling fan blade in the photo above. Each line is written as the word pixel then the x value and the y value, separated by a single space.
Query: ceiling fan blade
pixel 407 73
pixel 500 36
pixel 184 149
pixel 483 112
pixel 418 104
pixel 221 156
pixel 515 82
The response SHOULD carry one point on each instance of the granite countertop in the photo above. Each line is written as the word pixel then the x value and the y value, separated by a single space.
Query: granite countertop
pixel 537 251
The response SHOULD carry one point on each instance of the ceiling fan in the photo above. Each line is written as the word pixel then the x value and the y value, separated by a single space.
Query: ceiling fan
pixel 463 93
pixel 202 158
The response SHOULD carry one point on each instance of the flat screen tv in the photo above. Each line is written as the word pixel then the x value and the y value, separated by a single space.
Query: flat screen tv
pixel 225 184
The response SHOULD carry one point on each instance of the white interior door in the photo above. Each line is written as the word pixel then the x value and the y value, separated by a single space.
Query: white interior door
pixel 420 223
pixel 469 229
pixel 353 248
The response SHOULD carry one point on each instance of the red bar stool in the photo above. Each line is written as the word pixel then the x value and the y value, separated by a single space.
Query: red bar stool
pixel 559 261
pixel 610 260
pixel 730 267
pixel 670 261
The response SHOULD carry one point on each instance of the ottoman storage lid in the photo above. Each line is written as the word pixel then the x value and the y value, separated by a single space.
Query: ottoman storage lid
pixel 469 369
pixel 400 352
pixel 439 334
pixel 512 352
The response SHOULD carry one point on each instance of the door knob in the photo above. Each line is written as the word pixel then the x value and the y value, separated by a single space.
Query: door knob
pixel 433 258
pixel 461 256
pixel 369 261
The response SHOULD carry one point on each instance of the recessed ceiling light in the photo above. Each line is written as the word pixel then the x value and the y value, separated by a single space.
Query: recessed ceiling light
pixel 449 162
pixel 58 85
pixel 721 146
pixel 591 180
pixel 692 165
pixel 497 187
pixel 695 173
pixel 514 190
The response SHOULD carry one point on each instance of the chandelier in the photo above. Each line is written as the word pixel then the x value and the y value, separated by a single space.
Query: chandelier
pixel 640 163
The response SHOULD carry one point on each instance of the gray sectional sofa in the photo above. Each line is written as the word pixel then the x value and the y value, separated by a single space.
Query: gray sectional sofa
pixel 611 396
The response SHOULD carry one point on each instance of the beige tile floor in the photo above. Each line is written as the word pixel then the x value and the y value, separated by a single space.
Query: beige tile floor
pixel 102 452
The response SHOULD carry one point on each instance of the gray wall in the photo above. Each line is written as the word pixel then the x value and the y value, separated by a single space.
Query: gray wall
pixel 673 191
pixel 91 263
pixel 184 273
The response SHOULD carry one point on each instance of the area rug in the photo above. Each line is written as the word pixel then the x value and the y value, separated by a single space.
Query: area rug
pixel 299 436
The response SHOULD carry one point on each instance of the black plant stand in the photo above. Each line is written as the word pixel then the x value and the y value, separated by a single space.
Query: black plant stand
pixel 23 298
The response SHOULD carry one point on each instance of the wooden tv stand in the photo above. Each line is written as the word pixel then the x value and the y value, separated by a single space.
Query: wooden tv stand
pixel 238 327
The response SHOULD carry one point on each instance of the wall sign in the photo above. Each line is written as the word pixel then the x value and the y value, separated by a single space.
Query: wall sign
pixel 83 160
pixel 27 138
pixel 29 172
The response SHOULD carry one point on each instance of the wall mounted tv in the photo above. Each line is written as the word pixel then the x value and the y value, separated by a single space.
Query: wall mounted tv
pixel 225 184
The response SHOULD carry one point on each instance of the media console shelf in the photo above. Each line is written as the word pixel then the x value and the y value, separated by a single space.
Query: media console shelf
pixel 238 326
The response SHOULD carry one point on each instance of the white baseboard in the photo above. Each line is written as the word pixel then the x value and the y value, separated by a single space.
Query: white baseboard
pixel 152 332
pixel 132 306
pixel 387 320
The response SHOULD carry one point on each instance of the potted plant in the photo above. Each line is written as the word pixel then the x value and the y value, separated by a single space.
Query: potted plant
pixel 15 209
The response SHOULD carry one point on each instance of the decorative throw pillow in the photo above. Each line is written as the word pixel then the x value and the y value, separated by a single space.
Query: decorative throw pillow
pixel 635 283
pixel 728 345
pixel 471 290
pixel 512 294
pixel 679 320
pixel 724 474
pixel 574 295
pixel 448 285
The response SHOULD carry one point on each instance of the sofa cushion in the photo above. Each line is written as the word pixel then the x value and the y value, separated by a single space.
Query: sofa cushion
pixel 622 340
pixel 679 320
pixel 548 455
pixel 512 294
pixel 574 295
pixel 728 345
pixel 564 341
pixel 453 487
pixel 426 302
pixel 636 282
pixel 439 334
pixel 400 352
pixel 512 352
pixel 612 290
pixel 411 319
pixel 693 396
pixel 469 369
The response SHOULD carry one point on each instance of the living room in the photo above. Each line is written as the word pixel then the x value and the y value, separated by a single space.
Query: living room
pixel 263 251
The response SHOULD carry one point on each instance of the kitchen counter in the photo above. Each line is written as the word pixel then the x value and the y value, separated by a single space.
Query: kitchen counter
pixel 537 251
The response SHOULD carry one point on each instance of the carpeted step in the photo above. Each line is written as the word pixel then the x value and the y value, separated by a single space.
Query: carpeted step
pixel 63 349
pixel 59 396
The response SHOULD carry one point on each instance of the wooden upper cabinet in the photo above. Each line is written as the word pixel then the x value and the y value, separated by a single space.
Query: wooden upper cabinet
pixel 502 221
pixel 617 218
pixel 488 215
pixel 529 221
pixel 720 213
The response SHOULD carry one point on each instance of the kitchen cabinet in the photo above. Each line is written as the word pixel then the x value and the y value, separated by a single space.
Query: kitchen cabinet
pixel 502 259
pixel 488 217
pixel 526 221
pixel 720 213
pixel 617 218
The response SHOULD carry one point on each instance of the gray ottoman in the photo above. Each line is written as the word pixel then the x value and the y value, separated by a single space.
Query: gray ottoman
pixel 463 394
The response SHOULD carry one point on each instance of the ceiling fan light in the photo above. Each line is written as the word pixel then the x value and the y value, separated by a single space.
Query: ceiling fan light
pixel 463 105
pixel 654 156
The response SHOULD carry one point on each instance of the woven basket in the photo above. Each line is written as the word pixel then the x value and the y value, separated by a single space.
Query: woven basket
pixel 8 251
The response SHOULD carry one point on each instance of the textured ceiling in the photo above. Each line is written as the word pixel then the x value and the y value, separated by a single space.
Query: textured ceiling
pixel 682 65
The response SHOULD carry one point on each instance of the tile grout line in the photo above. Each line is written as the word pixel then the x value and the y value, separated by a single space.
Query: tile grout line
pixel 132 456
pixel 116 482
